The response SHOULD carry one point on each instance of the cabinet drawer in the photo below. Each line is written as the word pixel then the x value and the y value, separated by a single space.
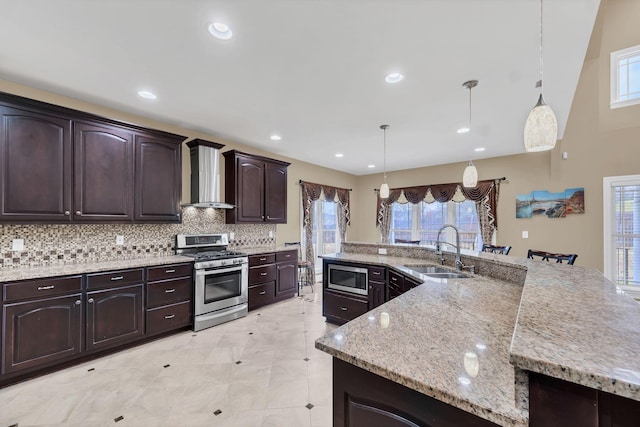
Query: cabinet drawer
pixel 114 278
pixel 164 272
pixel 262 259
pixel 169 317
pixel 262 294
pixel 377 274
pixel 168 292
pixel 262 274
pixel 287 255
pixel 343 307
pixel 41 288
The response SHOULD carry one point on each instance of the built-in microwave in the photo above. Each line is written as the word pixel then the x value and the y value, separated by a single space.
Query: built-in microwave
pixel 348 279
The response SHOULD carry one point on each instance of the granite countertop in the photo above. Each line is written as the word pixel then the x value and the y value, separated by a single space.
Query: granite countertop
pixel 26 273
pixel 436 334
pixel 266 249
pixel 568 322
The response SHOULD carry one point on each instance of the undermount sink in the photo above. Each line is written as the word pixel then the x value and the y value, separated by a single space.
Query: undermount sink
pixel 437 272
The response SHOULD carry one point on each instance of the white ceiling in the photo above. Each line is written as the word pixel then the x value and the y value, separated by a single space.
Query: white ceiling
pixel 311 70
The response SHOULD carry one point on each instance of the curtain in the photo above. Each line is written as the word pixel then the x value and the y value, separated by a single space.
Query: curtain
pixel 485 194
pixel 312 192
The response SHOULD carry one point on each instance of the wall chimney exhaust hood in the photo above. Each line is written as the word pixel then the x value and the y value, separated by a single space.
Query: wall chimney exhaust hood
pixel 205 175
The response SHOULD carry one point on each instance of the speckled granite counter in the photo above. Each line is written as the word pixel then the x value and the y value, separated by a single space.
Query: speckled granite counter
pixel 10 275
pixel 263 250
pixel 566 322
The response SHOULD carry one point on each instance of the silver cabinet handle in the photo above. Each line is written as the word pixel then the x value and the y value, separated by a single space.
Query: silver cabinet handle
pixel 78 213
pixel 169 291
pixel 376 273
pixel 113 279
pixel 263 274
pixel 394 279
pixel 90 300
pixel 263 259
pixel 67 213
pixel 45 288
pixel 343 308
pixel 78 302
pixel 263 293
pixel 169 271
pixel 288 255
pixel 170 316
pixel 268 217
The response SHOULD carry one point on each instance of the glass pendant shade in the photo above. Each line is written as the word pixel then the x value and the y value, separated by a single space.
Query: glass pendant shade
pixel 541 128
pixel 384 191
pixel 470 176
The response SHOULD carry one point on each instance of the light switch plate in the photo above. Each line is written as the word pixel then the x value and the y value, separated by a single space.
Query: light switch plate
pixel 17 245
pixel 525 234
pixel 119 240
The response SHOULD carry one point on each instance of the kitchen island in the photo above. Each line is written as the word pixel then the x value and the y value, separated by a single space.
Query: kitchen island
pixel 474 344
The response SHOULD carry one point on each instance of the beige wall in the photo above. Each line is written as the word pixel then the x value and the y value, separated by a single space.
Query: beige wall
pixel 599 141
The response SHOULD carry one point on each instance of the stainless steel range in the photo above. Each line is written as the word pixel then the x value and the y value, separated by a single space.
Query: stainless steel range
pixel 221 279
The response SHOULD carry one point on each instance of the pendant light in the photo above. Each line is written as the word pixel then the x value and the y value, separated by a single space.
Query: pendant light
pixel 470 175
pixel 384 188
pixel 541 127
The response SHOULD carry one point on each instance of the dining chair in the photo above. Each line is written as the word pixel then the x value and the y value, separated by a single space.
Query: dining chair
pixel 546 256
pixel 504 250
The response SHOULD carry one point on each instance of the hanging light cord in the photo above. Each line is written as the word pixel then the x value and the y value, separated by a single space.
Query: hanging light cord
pixel 384 151
pixel 539 84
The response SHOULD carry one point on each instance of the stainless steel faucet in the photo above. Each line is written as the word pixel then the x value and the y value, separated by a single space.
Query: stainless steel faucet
pixel 459 264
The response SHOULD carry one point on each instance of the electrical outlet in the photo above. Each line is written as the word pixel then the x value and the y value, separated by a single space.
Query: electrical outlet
pixel 232 235
pixel 525 234
pixel 382 251
pixel 17 245
pixel 270 234
pixel 119 240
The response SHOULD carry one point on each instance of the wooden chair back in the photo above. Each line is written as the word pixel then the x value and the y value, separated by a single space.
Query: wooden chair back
pixel 546 256
pixel 504 250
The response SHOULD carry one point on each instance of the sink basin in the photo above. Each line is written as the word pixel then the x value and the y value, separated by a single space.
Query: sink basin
pixel 437 272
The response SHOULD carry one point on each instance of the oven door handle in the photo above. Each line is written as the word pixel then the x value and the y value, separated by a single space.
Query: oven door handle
pixel 210 271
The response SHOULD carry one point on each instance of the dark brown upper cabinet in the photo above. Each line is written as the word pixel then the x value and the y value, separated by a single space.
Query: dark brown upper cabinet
pixel 158 179
pixel 59 165
pixel 257 186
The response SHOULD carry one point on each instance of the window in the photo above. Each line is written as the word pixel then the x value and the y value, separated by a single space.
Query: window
pixel 422 222
pixel 326 236
pixel 622 232
pixel 625 77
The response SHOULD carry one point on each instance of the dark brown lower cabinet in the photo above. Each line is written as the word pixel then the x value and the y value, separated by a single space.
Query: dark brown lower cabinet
pixel 340 308
pixel 286 279
pixel 363 399
pixel 39 333
pixel 557 403
pixel 114 316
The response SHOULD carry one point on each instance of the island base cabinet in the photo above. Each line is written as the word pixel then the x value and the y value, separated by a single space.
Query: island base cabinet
pixel 363 399
pixel 114 316
pixel 41 332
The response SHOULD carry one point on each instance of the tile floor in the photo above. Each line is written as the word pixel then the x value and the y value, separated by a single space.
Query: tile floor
pixel 261 370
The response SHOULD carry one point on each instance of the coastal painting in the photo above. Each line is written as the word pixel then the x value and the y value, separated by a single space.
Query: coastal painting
pixel 551 205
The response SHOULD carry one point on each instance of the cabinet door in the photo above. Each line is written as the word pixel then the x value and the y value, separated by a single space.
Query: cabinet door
pixel 103 165
pixel 275 193
pixel 287 278
pixel 250 190
pixel 114 316
pixel 39 332
pixel 396 285
pixel 376 294
pixel 158 179
pixel 35 166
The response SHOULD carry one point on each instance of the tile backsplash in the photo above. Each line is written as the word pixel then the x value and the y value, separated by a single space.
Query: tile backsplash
pixel 56 244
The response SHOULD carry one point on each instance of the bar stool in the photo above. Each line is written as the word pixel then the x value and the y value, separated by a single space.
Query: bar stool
pixel 306 275
pixel 545 256
pixel 411 242
pixel 504 250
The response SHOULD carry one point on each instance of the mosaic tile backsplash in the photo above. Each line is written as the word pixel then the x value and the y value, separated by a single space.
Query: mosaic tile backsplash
pixel 82 243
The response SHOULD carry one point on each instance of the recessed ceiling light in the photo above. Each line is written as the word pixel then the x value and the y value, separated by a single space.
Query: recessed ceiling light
pixel 146 94
pixel 220 31
pixel 479 149
pixel 394 78
pixel 339 155
pixel 463 130
pixel 371 166
pixel 275 137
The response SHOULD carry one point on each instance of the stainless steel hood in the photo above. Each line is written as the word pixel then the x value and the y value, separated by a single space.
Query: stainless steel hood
pixel 205 175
